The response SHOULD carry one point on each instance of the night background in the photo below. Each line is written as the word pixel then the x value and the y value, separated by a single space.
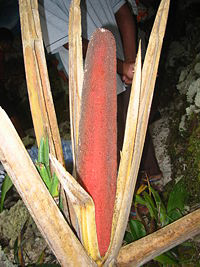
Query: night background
pixel 175 132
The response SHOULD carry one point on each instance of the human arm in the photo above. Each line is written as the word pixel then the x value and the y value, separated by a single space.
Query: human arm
pixel 126 70
pixel 126 25
pixel 127 28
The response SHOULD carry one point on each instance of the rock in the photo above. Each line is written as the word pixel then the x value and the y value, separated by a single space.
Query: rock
pixel 12 221
pixel 160 131
pixel 197 68
pixel 4 262
pixel 18 220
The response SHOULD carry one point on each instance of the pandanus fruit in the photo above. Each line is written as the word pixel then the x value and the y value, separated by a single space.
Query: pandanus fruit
pixel 97 149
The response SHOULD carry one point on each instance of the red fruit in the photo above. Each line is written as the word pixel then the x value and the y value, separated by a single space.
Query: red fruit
pixel 97 156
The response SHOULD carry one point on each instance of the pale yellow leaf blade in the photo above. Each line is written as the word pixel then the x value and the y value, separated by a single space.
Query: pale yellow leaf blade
pixel 48 218
pixel 83 206
pixel 127 183
pixel 75 72
pixel 40 97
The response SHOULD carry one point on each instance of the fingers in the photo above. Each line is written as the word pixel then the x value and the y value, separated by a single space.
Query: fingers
pixel 128 70
pixel 126 80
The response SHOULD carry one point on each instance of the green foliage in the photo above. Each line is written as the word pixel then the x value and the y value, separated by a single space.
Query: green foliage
pixel 174 215
pixel 54 185
pixel 159 214
pixel 156 207
pixel 149 203
pixel 137 231
pixel 167 258
pixel 51 181
pixel 161 210
pixel 140 200
pixel 7 184
pixel 186 158
pixel 176 202
pixel 128 237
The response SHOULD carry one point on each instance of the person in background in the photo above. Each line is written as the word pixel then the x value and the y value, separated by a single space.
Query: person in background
pixel 116 16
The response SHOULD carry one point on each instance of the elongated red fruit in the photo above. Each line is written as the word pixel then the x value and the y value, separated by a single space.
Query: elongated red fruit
pixel 97 158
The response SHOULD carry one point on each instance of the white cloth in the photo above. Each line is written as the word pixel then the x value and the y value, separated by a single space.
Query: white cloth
pixel 54 18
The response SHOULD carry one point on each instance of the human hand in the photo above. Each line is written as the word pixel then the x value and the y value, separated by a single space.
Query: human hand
pixel 128 70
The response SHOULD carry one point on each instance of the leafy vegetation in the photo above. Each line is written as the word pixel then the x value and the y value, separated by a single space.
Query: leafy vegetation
pixel 159 215
pixel 7 184
pixel 185 158
pixel 51 181
pixel 43 167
